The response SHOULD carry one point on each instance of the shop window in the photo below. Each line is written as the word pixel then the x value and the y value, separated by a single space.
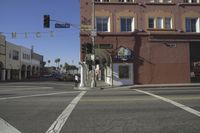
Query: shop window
pixel 124 72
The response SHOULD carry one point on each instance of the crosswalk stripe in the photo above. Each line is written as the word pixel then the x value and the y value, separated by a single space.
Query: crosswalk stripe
pixel 5 127
pixel 60 121
pixel 184 107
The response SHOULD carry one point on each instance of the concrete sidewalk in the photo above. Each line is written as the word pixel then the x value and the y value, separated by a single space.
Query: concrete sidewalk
pixel 102 85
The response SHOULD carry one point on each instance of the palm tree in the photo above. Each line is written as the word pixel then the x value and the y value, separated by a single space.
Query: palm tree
pixel 49 61
pixel 58 61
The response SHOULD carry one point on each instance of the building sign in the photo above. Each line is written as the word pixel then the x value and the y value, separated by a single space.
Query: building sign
pixel 124 54
pixel 105 46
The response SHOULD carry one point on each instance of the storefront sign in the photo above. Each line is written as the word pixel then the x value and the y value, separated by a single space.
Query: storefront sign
pixel 124 54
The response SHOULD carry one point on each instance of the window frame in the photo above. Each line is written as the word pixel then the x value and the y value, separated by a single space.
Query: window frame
pixel 102 18
pixel 124 72
pixel 132 26
pixel 191 1
pixel 15 55
pixel 197 24
pixel 159 22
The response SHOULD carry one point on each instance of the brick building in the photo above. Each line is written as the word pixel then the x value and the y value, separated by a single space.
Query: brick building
pixel 143 41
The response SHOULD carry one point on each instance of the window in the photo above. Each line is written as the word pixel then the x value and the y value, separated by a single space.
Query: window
pixel 160 22
pixel 191 1
pixel 102 24
pixel 102 0
pixel 192 25
pixel 168 23
pixel 15 55
pixel 124 72
pixel 167 1
pixel 160 1
pixel 151 22
pixel 10 54
pixel 126 24
pixel 125 0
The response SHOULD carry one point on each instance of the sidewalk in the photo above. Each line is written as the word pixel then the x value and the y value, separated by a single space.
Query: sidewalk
pixel 102 85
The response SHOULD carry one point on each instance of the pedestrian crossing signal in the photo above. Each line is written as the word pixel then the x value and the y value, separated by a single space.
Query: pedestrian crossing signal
pixel 46 21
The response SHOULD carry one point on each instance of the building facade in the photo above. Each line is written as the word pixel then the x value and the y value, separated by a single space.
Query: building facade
pixel 143 41
pixel 13 61
pixel 37 64
pixel 21 63
pixel 2 57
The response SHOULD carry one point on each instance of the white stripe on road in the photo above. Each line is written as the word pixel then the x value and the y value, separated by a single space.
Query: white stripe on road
pixel 21 88
pixel 60 121
pixel 38 95
pixel 186 108
pixel 5 127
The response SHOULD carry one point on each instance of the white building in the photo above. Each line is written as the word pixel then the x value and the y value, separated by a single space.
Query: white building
pixel 25 56
pixel 21 62
pixel 13 64
pixel 2 57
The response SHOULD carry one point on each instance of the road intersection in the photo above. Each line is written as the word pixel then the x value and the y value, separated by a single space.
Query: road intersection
pixel 55 107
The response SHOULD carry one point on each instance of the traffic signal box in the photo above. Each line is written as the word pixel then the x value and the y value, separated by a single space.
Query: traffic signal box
pixel 86 48
pixel 83 48
pixel 89 48
pixel 46 21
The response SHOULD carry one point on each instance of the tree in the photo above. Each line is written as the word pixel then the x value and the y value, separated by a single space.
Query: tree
pixel 49 61
pixel 58 61
pixel 68 67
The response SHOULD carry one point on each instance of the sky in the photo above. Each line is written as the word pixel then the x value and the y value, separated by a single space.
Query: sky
pixel 23 16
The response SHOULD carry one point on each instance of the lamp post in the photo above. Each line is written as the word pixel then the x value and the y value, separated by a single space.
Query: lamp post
pixel 93 34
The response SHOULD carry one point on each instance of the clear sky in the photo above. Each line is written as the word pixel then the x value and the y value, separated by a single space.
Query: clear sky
pixel 22 16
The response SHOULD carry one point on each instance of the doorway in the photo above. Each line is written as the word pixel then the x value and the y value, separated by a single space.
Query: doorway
pixel 195 62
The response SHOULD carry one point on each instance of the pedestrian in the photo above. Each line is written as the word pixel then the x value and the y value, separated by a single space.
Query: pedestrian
pixel 76 80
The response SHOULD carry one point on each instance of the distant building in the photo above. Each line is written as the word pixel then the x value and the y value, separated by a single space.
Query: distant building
pixel 2 57
pixel 143 41
pixel 13 61
pixel 21 62
pixel 37 64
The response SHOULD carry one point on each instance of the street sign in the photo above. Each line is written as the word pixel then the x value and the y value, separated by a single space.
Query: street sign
pixel 64 25
pixel 94 33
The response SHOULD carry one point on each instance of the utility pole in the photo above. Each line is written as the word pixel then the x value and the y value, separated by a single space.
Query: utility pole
pixel 93 34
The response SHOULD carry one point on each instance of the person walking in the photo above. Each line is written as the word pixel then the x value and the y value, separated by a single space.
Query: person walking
pixel 76 80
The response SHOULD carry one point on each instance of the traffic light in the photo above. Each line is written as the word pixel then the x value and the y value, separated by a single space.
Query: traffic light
pixel 83 48
pixel 89 48
pixel 46 21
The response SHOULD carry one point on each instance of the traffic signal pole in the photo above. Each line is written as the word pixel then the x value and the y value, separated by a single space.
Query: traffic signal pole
pixel 93 34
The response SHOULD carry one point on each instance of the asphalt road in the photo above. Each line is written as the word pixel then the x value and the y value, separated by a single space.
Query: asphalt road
pixel 55 107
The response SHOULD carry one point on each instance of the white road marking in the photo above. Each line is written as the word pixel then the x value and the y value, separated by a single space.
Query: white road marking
pixel 21 88
pixel 37 95
pixel 5 127
pixel 44 83
pixel 60 121
pixel 186 108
